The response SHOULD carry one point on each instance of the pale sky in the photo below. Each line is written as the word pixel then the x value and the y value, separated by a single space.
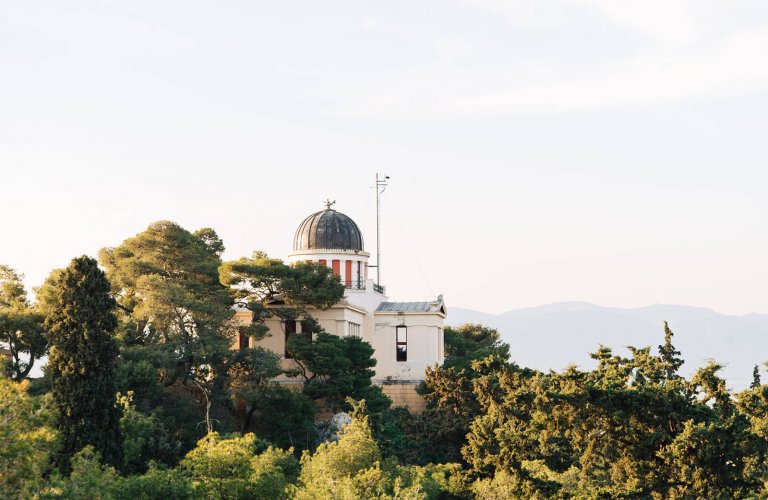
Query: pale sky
pixel 606 151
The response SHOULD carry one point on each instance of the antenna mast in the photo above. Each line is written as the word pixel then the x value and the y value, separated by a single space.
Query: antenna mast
pixel 381 186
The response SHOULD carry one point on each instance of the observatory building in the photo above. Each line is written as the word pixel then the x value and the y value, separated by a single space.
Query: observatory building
pixel 407 337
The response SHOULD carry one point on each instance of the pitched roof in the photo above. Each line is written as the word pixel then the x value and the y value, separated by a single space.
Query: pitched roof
pixel 405 306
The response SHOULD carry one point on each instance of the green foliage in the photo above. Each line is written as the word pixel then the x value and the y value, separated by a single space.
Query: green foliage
pixel 137 372
pixel 470 342
pixel 268 287
pixel 20 325
pixel 155 484
pixel 451 402
pixel 80 322
pixel 335 368
pixel 88 479
pixel 239 467
pixel 145 439
pixel 285 418
pixel 755 378
pixel 355 451
pixel 27 440
pixel 251 377
pixel 670 357
pixel 166 283
pixel 347 468
pixel 707 460
pixel 352 468
pixel 631 427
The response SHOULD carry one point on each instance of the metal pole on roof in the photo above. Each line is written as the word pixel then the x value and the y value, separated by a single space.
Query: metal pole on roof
pixel 381 186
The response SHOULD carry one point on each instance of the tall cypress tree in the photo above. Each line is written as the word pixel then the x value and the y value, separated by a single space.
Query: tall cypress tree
pixel 80 320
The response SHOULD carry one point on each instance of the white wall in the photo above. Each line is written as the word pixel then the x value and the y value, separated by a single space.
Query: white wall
pixel 424 344
pixel 425 337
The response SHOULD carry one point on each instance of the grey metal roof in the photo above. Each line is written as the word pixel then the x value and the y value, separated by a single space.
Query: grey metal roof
pixel 328 229
pixel 404 306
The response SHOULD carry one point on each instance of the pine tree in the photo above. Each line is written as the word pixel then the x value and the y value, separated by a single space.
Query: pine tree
pixel 670 357
pixel 755 378
pixel 81 321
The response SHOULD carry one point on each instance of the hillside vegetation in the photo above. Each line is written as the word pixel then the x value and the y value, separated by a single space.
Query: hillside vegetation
pixel 144 397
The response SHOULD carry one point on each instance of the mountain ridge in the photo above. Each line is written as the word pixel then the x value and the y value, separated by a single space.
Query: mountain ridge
pixel 575 329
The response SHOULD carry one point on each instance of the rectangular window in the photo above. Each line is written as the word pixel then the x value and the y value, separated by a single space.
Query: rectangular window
pixel 336 266
pixel 242 341
pixel 290 329
pixel 348 273
pixel 354 329
pixel 401 343
pixel 323 262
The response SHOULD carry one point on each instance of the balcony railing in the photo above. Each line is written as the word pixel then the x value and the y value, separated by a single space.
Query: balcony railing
pixel 360 284
pixel 355 284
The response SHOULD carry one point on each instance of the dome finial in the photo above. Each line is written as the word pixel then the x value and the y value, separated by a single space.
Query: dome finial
pixel 328 203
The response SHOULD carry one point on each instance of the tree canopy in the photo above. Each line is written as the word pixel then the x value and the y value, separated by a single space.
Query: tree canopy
pixel 145 396
pixel 166 284
pixel 269 287
pixel 83 352
pixel 335 368
pixel 20 325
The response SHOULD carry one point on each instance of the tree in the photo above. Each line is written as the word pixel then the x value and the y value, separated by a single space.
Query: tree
pixel 755 378
pixel 239 467
pixel 331 367
pixel 20 325
pixel 166 284
pixel 285 418
pixel 353 467
pixel 268 288
pixel 251 375
pixel 80 321
pixel 27 440
pixel 335 368
pixel 472 351
pixel 89 478
pixel 670 357
pixel 469 342
pixel 145 439
pixel 156 483
pixel 355 454
pixel 613 433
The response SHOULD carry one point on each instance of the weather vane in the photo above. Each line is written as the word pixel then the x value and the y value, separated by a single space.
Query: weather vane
pixel 328 203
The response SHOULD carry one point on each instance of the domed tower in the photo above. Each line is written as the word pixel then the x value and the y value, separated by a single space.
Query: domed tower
pixel 333 239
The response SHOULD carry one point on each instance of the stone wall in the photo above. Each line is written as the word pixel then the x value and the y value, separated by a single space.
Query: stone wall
pixel 403 394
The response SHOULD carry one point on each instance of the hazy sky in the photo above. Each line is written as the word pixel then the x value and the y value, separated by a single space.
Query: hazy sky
pixel 599 150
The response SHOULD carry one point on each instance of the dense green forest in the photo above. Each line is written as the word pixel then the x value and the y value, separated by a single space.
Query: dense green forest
pixel 143 397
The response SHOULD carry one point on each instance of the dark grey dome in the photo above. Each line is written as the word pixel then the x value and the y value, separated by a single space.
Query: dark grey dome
pixel 328 229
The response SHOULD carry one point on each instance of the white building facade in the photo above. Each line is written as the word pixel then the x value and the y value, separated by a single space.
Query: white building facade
pixel 407 337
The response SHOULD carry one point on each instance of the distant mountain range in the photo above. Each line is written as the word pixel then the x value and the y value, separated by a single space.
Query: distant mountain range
pixel 550 337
